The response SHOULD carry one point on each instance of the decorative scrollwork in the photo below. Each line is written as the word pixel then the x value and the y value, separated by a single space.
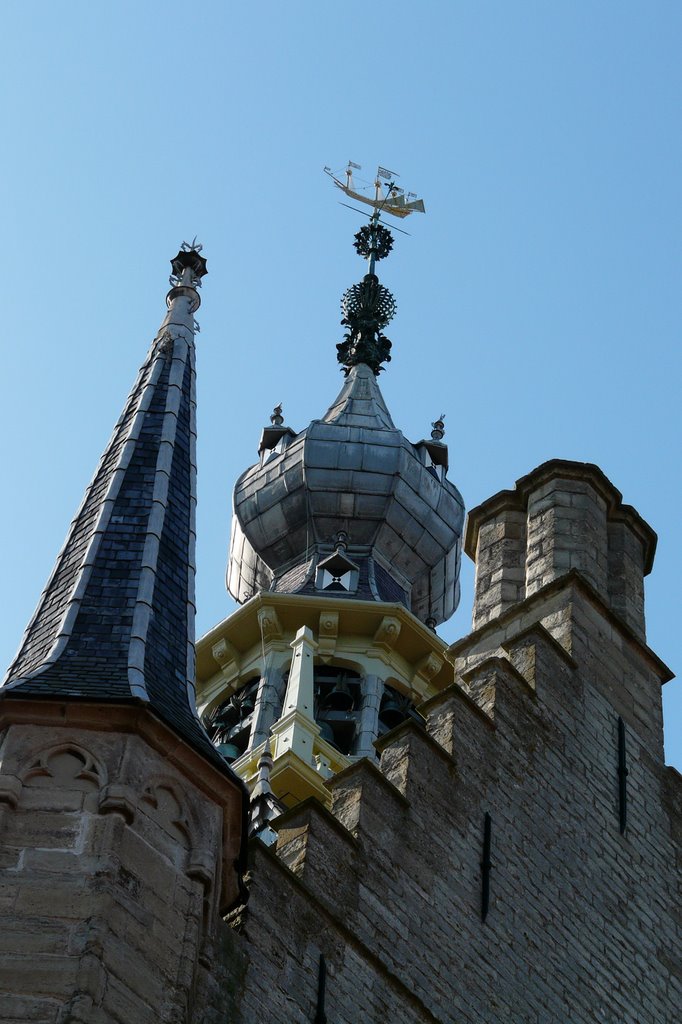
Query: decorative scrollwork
pixel 373 238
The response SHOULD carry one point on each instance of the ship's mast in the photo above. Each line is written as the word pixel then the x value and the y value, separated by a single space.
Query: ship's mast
pixel 380 202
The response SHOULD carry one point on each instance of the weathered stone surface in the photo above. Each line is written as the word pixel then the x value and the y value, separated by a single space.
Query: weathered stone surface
pixel 106 915
pixel 563 516
pixel 582 922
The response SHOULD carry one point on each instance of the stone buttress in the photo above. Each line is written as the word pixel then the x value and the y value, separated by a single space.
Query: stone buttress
pixel 121 825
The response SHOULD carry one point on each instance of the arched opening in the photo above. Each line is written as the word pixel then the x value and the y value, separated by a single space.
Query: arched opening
pixel 229 724
pixel 338 704
pixel 394 709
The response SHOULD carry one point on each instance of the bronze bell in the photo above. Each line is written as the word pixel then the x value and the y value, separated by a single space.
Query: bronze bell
pixel 229 751
pixel 339 699
pixel 394 710
pixel 246 704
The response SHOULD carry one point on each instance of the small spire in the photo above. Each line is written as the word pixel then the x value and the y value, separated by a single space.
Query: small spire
pixel 264 804
pixel 276 418
pixel 438 425
pixel 341 542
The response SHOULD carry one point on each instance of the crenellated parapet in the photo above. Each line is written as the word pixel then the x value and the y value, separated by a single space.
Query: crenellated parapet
pixel 526 827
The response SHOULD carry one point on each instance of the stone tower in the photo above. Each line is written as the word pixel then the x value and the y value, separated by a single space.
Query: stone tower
pixel 514 851
pixel 120 824
pixel 462 834
pixel 483 832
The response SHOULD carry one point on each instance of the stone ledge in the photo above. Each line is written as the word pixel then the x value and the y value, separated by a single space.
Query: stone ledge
pixel 457 692
pixel 311 807
pixel 367 767
pixel 540 632
pixel 412 727
pixel 503 667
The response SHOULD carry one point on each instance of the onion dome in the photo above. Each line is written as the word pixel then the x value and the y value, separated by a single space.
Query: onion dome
pixel 349 507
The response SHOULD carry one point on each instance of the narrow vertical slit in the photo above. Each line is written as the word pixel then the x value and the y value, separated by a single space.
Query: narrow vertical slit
pixel 485 868
pixel 622 777
pixel 320 1015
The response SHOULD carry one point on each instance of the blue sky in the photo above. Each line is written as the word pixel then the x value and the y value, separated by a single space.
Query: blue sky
pixel 538 300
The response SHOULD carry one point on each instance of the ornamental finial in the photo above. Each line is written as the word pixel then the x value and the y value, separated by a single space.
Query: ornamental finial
pixel 438 425
pixel 368 307
pixel 188 268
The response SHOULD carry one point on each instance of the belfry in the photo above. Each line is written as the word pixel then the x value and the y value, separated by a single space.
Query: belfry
pixel 345 554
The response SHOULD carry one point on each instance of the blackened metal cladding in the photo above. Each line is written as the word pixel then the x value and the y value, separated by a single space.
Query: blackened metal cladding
pixel 367 307
pixel 320 1015
pixel 368 304
pixel 486 865
pixel 622 777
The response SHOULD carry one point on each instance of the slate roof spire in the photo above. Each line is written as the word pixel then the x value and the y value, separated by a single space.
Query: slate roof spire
pixel 115 622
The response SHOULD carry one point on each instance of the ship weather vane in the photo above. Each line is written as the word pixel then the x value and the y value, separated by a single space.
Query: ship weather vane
pixel 368 307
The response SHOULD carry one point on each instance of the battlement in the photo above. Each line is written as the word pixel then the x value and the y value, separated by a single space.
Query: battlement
pixel 562 516
pixel 518 857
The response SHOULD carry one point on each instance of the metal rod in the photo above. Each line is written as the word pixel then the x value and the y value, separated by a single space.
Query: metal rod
pixel 485 867
pixel 622 777
pixel 321 1016
pixel 362 212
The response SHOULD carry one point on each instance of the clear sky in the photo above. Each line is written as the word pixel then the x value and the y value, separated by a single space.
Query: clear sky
pixel 538 299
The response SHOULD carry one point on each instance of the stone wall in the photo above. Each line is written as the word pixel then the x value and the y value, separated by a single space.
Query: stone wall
pixel 562 516
pixel 583 920
pixel 111 871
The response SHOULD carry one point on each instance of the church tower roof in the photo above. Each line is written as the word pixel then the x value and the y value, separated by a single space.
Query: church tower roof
pixel 115 622
pixel 349 506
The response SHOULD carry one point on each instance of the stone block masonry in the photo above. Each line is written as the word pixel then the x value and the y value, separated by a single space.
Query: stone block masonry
pixel 562 516
pixel 583 920
pixel 112 867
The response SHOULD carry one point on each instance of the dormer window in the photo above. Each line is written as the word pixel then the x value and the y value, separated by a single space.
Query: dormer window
pixel 434 455
pixel 435 469
pixel 328 581
pixel 277 449
pixel 337 573
pixel 273 442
